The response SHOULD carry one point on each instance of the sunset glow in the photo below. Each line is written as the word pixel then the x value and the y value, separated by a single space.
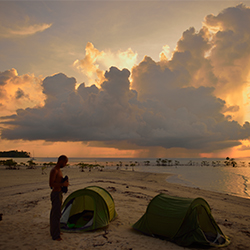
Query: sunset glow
pixel 121 85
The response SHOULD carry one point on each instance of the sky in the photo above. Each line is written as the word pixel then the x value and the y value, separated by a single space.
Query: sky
pixel 161 79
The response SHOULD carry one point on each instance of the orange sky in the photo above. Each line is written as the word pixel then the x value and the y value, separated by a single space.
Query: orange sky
pixel 154 79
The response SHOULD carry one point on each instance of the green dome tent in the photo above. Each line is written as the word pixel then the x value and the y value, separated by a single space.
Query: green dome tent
pixel 181 220
pixel 87 209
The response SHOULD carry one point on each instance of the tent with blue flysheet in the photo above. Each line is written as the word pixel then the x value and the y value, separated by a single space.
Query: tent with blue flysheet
pixel 184 221
pixel 87 209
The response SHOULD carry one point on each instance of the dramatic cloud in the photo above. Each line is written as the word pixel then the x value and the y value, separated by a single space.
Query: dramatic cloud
pixel 192 100
pixel 115 113
pixel 19 91
pixel 89 65
pixel 95 61
pixel 230 56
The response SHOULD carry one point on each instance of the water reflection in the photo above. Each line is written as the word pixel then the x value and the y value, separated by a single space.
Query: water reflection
pixel 220 179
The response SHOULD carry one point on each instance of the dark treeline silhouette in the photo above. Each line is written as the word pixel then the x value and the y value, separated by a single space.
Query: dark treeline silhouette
pixel 15 153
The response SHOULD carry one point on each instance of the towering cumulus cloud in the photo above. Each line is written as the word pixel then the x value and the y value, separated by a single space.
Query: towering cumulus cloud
pixel 191 101
pixel 16 91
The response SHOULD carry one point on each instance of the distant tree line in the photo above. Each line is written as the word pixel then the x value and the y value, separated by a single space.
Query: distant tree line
pixel 15 153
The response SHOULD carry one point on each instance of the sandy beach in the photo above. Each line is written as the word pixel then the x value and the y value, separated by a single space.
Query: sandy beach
pixel 25 206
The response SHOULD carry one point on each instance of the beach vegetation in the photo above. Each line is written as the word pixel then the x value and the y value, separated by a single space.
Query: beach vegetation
pixel 191 163
pixel 230 162
pixel 10 164
pixel 164 162
pixel 50 164
pixel 31 164
pixel 132 165
pixel 95 166
pixel 119 164
pixel 216 163
pixel 46 165
pixel 90 166
pixel 158 162
pixel 84 166
pixel 43 169
pixel 205 163
pixel 243 164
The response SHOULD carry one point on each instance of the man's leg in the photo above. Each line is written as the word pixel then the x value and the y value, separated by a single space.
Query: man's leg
pixel 55 215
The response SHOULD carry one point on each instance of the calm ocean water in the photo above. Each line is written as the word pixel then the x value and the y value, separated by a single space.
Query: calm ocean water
pixel 188 172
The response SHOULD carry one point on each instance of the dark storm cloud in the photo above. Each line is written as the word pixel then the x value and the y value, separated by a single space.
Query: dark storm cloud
pixel 114 113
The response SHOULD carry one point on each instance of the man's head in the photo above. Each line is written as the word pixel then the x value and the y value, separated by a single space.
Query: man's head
pixel 62 161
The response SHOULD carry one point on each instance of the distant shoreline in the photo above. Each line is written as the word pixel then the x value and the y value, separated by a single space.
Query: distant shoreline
pixel 14 154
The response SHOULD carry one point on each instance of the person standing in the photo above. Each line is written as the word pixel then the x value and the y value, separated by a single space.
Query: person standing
pixel 56 184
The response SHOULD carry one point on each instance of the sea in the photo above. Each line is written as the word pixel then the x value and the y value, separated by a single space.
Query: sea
pixel 204 173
